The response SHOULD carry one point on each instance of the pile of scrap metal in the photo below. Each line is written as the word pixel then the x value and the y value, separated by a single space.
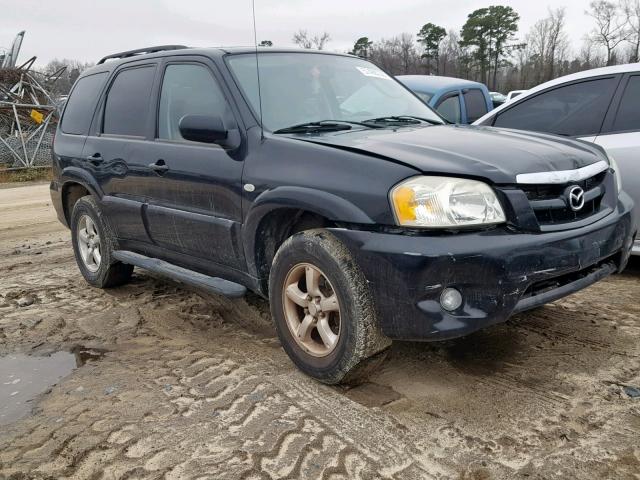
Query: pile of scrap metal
pixel 28 111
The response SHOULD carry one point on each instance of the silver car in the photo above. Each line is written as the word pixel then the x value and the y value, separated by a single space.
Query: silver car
pixel 600 106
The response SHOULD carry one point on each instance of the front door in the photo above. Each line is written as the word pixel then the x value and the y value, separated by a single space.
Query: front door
pixel 449 107
pixel 194 194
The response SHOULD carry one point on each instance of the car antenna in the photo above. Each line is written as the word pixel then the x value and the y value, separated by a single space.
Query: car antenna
pixel 255 41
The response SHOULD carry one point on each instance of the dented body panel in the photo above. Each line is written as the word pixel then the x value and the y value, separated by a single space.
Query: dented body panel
pixel 497 272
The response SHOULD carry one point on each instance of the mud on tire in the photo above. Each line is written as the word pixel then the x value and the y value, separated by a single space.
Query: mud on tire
pixel 361 347
pixel 110 272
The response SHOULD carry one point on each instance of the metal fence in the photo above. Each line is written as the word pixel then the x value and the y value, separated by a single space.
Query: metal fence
pixel 28 116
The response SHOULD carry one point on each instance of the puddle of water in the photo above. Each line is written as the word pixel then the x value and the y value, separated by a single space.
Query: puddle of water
pixel 24 377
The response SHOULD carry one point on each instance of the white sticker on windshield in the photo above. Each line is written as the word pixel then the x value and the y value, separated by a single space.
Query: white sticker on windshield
pixel 373 72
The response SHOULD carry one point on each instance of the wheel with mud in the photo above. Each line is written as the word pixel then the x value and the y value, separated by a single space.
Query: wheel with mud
pixel 323 310
pixel 93 244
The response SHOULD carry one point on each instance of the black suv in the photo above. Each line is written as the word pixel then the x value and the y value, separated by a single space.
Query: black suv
pixel 325 185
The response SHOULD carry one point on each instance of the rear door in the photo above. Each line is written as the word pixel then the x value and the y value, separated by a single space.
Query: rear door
pixel 116 145
pixel 194 201
pixel 76 119
pixel 620 135
pixel 475 104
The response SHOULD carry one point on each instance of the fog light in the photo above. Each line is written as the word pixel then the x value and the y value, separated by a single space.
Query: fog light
pixel 450 299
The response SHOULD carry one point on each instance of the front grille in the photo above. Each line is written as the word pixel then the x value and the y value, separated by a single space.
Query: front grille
pixel 550 205
pixel 546 192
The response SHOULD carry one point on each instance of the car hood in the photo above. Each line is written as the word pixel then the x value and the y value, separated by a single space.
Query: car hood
pixel 495 154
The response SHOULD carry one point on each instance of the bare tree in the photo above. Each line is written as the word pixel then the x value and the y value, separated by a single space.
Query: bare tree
pixel 450 54
pixel 631 9
pixel 611 27
pixel 547 44
pixel 558 42
pixel 73 70
pixel 589 57
pixel 302 39
pixel 408 52
pixel 386 54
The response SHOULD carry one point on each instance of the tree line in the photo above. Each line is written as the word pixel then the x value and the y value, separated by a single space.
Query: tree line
pixel 487 47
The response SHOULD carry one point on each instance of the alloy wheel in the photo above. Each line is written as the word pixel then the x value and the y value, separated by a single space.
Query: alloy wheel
pixel 311 309
pixel 89 243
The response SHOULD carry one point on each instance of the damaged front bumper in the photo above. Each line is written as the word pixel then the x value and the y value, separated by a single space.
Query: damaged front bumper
pixel 498 272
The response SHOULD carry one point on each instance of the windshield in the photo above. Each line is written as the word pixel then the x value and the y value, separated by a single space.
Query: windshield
pixel 299 88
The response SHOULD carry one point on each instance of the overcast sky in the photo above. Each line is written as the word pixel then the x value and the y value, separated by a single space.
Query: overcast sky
pixel 87 30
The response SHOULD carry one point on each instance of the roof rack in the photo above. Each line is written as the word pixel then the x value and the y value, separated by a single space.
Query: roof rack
pixel 141 51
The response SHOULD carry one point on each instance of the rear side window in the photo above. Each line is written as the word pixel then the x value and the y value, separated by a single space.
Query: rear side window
pixel 81 104
pixel 476 104
pixel 126 110
pixel 628 116
pixel 573 110
pixel 449 108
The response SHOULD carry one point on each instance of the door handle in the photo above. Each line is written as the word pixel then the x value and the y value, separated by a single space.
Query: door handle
pixel 96 159
pixel 159 166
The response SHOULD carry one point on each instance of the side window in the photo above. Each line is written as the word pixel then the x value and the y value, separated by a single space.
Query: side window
pixel 449 108
pixel 572 110
pixel 425 97
pixel 126 110
pixel 81 104
pixel 628 116
pixel 188 89
pixel 476 104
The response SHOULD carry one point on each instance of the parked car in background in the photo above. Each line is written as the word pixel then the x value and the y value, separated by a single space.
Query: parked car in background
pixel 600 106
pixel 513 94
pixel 497 99
pixel 457 100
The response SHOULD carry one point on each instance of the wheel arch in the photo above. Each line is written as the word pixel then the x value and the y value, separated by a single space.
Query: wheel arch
pixel 274 227
pixel 277 214
pixel 75 184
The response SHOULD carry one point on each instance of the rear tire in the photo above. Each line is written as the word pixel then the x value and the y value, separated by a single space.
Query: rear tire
pixel 353 345
pixel 93 246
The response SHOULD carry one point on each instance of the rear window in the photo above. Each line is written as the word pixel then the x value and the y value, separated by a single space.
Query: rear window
pixel 82 103
pixel 572 110
pixel 126 110
pixel 476 104
pixel 628 117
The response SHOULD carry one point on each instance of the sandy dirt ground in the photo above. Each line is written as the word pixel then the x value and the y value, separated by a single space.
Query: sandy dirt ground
pixel 181 385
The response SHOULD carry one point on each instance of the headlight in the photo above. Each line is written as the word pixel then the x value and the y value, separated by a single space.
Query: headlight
pixel 443 202
pixel 616 171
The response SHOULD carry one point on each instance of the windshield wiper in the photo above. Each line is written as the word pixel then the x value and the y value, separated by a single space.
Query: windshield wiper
pixel 422 119
pixel 324 126
pixel 402 120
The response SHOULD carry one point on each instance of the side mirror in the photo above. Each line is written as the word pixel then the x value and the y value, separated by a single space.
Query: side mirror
pixel 203 128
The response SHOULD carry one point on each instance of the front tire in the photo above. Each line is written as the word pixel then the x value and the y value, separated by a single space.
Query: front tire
pixel 93 246
pixel 323 309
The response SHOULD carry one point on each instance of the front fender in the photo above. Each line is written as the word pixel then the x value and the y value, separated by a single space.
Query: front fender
pixel 322 203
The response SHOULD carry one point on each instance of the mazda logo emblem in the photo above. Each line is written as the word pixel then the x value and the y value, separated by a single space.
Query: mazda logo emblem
pixel 575 196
